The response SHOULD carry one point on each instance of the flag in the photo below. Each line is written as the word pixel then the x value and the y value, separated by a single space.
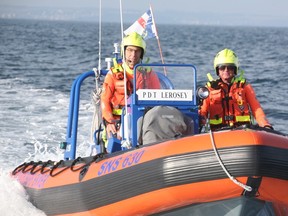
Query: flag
pixel 144 26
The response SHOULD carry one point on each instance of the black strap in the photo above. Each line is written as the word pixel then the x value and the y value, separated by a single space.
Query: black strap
pixel 254 183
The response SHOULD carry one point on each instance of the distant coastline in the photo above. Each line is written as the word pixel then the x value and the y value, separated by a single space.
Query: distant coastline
pixel 112 16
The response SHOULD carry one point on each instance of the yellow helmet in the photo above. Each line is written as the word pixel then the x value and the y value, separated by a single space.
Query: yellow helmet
pixel 226 57
pixel 134 39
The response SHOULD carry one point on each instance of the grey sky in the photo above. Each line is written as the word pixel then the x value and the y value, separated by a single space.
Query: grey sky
pixel 220 12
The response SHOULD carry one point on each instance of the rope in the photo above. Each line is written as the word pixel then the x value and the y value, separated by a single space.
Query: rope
pixel 245 187
pixel 96 95
pixel 41 165
pixel 97 92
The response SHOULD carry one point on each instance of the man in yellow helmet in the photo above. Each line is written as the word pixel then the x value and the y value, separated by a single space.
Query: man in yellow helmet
pixel 232 100
pixel 113 94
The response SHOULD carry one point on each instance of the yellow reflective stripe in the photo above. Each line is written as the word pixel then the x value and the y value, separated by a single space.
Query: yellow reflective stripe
pixel 242 118
pixel 104 137
pixel 209 76
pixel 239 78
pixel 144 69
pixel 215 121
pixel 238 119
pixel 116 67
pixel 117 111
pixel 115 61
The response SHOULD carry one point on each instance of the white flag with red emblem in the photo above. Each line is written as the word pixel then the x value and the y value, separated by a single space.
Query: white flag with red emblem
pixel 144 26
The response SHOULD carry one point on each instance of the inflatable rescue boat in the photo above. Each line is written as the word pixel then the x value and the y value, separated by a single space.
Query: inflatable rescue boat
pixel 233 171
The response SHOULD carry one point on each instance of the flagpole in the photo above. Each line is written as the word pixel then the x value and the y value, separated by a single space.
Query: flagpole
pixel 126 142
pixel 158 40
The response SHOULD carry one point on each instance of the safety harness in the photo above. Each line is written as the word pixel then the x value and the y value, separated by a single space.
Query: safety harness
pixel 243 115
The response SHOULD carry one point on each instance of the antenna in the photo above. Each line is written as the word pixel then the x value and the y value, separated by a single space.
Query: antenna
pixel 100 34
pixel 126 142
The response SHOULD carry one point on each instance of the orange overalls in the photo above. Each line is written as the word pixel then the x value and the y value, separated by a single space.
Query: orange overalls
pixel 233 104
pixel 113 94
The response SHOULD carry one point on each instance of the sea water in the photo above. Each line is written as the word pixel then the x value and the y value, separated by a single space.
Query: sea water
pixel 40 59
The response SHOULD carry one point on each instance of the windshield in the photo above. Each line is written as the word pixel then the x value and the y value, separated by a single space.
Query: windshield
pixel 177 83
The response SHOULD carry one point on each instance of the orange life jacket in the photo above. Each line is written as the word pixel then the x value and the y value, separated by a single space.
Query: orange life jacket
pixel 113 94
pixel 233 104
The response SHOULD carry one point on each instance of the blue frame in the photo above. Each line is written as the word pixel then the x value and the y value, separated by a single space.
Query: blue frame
pixel 135 109
pixel 72 125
